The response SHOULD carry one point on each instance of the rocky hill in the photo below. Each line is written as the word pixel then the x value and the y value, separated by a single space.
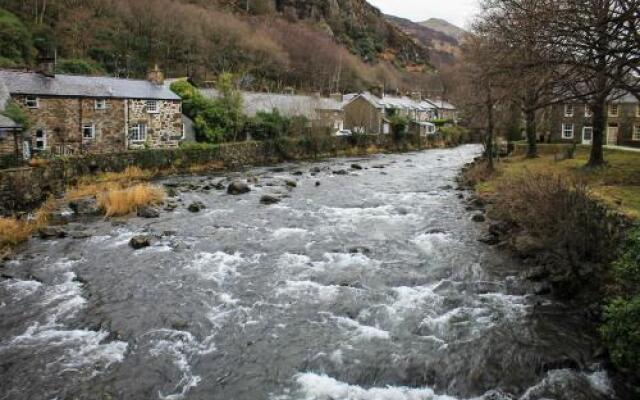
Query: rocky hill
pixel 445 27
pixel 440 38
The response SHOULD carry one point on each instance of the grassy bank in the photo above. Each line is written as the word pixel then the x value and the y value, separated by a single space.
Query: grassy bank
pixel 116 194
pixel 617 185
pixel 581 226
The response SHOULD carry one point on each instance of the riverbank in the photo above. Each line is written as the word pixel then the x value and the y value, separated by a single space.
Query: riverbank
pixel 573 228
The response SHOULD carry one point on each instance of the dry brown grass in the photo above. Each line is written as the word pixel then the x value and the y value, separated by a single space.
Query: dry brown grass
pixel 14 231
pixel 210 166
pixel 38 162
pixel 124 201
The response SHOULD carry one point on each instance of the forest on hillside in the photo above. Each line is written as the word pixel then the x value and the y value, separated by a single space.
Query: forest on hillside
pixel 314 45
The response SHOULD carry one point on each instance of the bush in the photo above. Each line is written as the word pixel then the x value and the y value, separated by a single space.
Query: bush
pixel 455 134
pixel 399 126
pixel 17 114
pixel 621 331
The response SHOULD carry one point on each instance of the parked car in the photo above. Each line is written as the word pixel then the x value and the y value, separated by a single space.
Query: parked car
pixel 344 132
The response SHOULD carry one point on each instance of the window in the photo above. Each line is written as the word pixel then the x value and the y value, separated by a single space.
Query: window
pixel 587 111
pixel 636 133
pixel 568 110
pixel 138 133
pixel 153 107
pixel 101 104
pixel 88 131
pixel 41 140
pixel 587 133
pixel 567 131
pixel 613 110
pixel 31 102
pixel 184 132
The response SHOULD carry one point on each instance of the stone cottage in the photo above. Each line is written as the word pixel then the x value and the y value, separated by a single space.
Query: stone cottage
pixel 71 115
pixel 571 122
pixel 370 114
pixel 10 132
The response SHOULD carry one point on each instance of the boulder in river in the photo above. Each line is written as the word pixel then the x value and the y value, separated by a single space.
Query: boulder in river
pixel 269 199
pixel 291 183
pixel 237 188
pixel 148 212
pixel 478 218
pixel 85 207
pixel 51 232
pixel 341 172
pixel 196 206
pixel 140 242
pixel 356 166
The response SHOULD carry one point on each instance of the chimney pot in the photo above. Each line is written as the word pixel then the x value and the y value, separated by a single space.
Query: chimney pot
pixel 156 76
pixel 47 66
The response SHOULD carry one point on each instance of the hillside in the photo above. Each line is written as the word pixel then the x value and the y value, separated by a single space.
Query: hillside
pixel 443 48
pixel 445 27
pixel 325 45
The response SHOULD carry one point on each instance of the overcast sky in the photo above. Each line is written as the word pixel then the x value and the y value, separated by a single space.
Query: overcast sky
pixel 458 12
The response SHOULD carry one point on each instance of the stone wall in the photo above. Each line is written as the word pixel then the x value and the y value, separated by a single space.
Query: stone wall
pixel 164 128
pixel 23 189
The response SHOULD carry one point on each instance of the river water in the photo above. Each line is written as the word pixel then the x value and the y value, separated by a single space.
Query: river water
pixel 370 286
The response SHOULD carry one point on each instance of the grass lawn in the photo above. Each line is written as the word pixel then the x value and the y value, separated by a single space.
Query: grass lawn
pixel 618 184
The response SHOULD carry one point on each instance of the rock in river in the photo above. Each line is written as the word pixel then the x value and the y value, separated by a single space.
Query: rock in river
pixel 269 199
pixel 148 212
pixel 50 232
pixel 87 206
pixel 196 206
pixel 478 218
pixel 237 187
pixel 139 242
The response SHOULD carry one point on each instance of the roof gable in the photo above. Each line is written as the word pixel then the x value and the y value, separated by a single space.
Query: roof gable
pixel 31 83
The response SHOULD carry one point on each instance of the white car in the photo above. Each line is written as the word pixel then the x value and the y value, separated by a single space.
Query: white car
pixel 344 132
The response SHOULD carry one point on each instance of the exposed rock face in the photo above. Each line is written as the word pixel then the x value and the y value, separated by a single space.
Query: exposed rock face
pixel 237 187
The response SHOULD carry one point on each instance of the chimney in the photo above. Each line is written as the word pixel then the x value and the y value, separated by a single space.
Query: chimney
pixel 317 95
pixel 416 96
pixel 47 66
pixel 337 97
pixel 156 76
pixel 378 91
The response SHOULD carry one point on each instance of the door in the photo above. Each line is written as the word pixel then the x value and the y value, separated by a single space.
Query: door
pixel 587 135
pixel 612 136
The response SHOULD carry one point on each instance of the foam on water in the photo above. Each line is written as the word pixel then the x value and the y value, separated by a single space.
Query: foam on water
pixel 363 332
pixel 430 243
pixel 218 266
pixel 285 233
pixel 20 289
pixel 322 387
pixel 309 290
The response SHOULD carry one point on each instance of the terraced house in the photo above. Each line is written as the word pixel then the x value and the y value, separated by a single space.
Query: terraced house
pixel 72 115
pixel 571 122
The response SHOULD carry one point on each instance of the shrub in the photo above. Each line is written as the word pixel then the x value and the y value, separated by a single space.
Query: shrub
pixel 621 331
pixel 125 201
pixel 17 114
pixel 399 126
pixel 455 134
pixel 15 40
pixel 559 211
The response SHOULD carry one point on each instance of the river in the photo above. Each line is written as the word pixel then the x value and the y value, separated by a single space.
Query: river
pixel 370 285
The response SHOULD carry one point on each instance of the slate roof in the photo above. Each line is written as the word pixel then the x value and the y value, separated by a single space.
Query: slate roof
pixel 286 104
pixel 402 102
pixel 442 105
pixel 83 86
pixel 5 122
pixel 625 97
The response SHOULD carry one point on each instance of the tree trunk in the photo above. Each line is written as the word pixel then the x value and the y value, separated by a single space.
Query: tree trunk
pixel 596 159
pixel 530 117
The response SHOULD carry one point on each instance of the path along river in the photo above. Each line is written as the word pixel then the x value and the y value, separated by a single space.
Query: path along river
pixel 371 286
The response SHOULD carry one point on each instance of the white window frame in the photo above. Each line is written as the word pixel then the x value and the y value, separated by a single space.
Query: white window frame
pixel 32 102
pixel 43 140
pixel 101 104
pixel 636 133
pixel 568 110
pixel 92 127
pixel 587 111
pixel 156 106
pixel 138 133
pixel 584 129
pixel 184 132
pixel 565 130
pixel 612 107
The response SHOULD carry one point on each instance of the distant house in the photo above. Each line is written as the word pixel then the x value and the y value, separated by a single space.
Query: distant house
pixel 571 122
pixel 371 114
pixel 85 114
pixel 445 110
pixel 322 112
